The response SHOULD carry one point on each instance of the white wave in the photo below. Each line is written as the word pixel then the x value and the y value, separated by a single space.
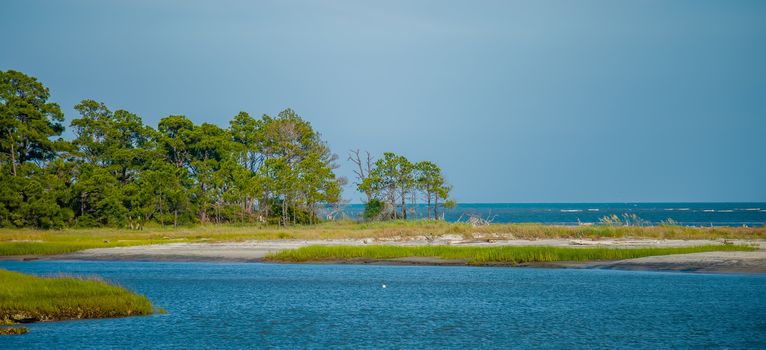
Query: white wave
pixel 726 211
pixel 709 210
pixel 752 209
pixel 683 209
pixel 570 210
pixel 592 209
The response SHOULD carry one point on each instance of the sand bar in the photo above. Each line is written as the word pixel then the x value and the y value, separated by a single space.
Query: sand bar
pixel 255 251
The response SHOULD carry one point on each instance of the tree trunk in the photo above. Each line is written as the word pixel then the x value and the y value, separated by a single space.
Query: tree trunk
pixel 266 206
pixel 436 207
pixel 284 212
pixel 360 174
pixel 13 152
pixel 404 205
pixel 392 198
pixel 311 214
pixel 202 209
pixel 428 209
pixel 162 217
pixel 82 203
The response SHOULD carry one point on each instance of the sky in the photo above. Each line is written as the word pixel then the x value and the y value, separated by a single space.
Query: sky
pixel 517 101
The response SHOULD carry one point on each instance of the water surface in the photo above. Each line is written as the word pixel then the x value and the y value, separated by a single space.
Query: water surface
pixel 688 214
pixel 233 305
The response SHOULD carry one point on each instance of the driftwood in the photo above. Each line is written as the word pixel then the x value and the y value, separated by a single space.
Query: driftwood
pixel 476 220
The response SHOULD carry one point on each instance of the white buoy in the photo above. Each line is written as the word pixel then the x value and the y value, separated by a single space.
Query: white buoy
pixel 384 286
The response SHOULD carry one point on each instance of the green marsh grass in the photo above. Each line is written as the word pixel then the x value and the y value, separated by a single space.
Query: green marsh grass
pixel 61 298
pixel 487 255
pixel 48 242
pixel 13 330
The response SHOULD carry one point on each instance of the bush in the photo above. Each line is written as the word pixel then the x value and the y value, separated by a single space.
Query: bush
pixel 295 215
pixel 373 209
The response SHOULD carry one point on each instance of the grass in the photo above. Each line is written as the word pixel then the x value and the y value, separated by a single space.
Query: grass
pixel 14 330
pixel 47 242
pixel 512 255
pixel 30 298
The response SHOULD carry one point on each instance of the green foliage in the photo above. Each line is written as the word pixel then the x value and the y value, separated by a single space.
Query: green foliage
pixel 36 197
pixel 119 172
pixel 30 193
pixel 27 120
pixel 395 180
pixel 294 215
pixel 488 255
pixel 373 209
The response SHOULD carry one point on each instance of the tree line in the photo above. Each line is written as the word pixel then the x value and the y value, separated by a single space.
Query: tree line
pixel 393 186
pixel 117 171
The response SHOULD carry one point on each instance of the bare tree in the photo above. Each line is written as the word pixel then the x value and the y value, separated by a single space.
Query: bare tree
pixel 363 168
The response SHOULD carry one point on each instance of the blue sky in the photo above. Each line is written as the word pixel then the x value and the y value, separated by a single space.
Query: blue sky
pixel 534 101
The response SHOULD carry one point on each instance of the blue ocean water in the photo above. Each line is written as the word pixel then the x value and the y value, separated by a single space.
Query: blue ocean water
pixel 688 214
pixel 234 306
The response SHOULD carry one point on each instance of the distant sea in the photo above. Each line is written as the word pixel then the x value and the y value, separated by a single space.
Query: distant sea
pixel 688 214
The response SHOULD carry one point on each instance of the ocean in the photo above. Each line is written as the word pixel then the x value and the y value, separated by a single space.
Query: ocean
pixel 688 214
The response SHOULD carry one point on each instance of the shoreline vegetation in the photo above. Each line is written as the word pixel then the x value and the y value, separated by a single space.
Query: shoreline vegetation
pixel 18 242
pixel 25 299
pixel 118 171
pixel 501 255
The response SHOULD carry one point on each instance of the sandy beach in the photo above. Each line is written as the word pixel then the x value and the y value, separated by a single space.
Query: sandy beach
pixel 256 251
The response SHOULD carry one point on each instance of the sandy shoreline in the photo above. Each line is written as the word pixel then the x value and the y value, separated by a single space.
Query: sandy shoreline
pixel 256 251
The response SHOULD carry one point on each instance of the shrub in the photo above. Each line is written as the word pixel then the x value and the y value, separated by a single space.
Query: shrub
pixel 373 209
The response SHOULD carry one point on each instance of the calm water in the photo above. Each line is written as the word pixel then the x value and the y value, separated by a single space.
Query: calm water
pixel 689 214
pixel 336 306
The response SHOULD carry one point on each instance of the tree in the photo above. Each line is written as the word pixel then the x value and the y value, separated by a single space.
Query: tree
pixel 362 172
pixel 33 190
pixel 173 146
pixel 317 183
pixel 248 132
pixel 98 197
pixel 394 177
pixel 112 148
pixel 163 194
pixel 429 180
pixel 27 120
pixel 405 180
pixel 209 145
pixel 173 137
pixel 119 172
pixel 384 179
pixel 442 192
pixel 35 196
pixel 298 167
